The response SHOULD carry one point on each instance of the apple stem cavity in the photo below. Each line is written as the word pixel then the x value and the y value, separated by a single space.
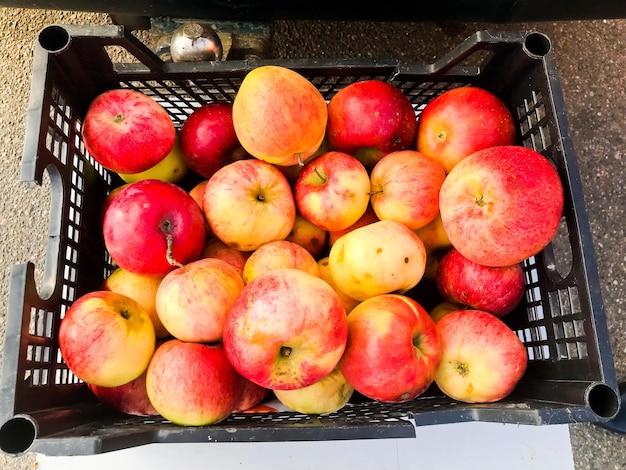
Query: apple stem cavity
pixel 285 351
pixel 318 173
pixel 125 314
pixel 169 254
pixel 119 118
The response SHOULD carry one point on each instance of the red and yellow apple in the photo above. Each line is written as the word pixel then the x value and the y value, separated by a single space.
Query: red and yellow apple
pixel 369 119
pixel 379 258
pixel 497 290
pixel 251 396
pixel 130 398
pixel 248 203
pixel 279 116
pixel 152 226
pixel 482 359
pixel 193 384
pixel 216 248
pixel 405 187
pixel 501 205
pixel 287 329
pixel 279 254
pixel 106 338
pixel 332 190
pixel 192 301
pixel 393 349
pixel 462 121
pixel 127 131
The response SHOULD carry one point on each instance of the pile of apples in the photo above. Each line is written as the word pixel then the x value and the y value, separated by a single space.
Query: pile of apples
pixel 285 270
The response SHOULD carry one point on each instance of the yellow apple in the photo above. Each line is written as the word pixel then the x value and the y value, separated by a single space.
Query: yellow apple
pixel 142 289
pixel 348 302
pixel 443 308
pixel 378 258
pixel 324 396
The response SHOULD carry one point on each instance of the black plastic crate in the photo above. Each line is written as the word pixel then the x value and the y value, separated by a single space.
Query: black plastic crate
pixel 45 408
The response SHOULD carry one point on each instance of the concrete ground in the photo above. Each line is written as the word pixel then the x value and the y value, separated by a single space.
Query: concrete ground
pixel 591 65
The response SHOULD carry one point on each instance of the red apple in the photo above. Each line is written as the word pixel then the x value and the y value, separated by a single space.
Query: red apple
pixel 462 121
pixel 193 384
pixel 152 226
pixel 208 139
pixel 393 349
pixel 192 301
pixel 496 290
pixel 171 168
pixel 308 235
pixel 369 119
pixel 248 203
pixel 405 187
pixel 130 398
pixel 251 396
pixel 501 205
pixel 106 338
pixel 216 248
pixel 279 254
pixel 286 330
pixel 126 131
pixel 107 200
pixel 482 359
pixel 332 190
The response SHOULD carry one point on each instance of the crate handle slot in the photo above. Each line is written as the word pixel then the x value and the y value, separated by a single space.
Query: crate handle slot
pixel 17 435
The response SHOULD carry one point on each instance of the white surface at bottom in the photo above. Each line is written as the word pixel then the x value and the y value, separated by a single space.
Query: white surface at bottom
pixel 466 446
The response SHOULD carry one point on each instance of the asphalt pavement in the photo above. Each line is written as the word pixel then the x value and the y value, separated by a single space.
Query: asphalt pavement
pixel 591 65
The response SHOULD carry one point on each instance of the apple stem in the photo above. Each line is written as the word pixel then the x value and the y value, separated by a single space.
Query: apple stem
pixel 300 161
pixel 322 177
pixel 169 253
pixel 373 193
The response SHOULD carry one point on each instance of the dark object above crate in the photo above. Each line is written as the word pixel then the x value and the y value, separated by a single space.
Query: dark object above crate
pixel 496 11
